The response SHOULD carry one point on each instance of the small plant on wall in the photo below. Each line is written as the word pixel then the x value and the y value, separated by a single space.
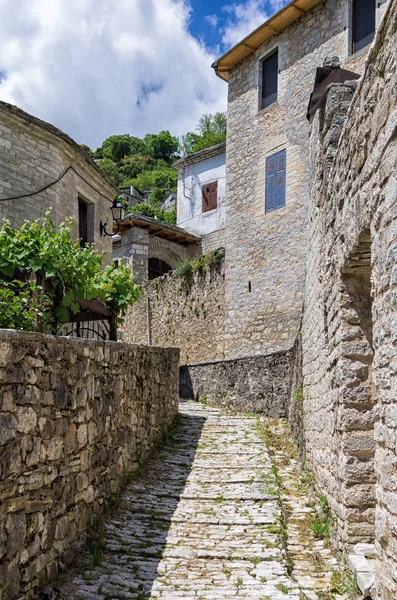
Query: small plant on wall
pixel 188 266
pixel 44 273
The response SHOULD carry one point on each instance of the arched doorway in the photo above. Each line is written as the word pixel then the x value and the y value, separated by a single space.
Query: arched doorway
pixel 157 268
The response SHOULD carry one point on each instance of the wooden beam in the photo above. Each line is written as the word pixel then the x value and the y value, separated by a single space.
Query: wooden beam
pixel 83 317
pixel 302 11
pixel 96 306
pixel 274 31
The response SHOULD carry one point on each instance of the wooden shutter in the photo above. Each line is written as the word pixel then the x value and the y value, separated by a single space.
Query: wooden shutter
pixel 271 193
pixel 210 196
pixel 276 181
pixel 281 173
pixel 214 195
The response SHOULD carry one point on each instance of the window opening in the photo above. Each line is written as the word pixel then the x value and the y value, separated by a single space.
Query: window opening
pixel 83 223
pixel 364 15
pixel 157 268
pixel 270 80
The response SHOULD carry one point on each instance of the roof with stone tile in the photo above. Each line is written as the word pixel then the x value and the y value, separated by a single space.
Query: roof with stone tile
pixel 28 118
pixel 273 26
pixel 200 155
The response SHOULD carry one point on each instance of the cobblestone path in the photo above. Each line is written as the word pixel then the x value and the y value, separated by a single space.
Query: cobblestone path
pixel 201 523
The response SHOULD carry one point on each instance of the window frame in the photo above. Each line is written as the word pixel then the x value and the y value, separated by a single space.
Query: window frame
pixel 262 61
pixel 276 156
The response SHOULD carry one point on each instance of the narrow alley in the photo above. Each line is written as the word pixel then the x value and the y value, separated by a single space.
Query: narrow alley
pixel 203 521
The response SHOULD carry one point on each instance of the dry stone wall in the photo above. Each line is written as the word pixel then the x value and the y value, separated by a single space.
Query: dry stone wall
pixel 187 312
pixel 260 384
pixel 349 341
pixel 75 416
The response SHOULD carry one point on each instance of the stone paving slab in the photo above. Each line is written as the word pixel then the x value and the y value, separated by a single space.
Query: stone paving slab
pixel 201 523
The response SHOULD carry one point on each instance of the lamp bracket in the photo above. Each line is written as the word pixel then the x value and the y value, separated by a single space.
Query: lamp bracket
pixel 104 233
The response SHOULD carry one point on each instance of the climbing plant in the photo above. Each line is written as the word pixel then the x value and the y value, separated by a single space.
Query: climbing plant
pixel 43 274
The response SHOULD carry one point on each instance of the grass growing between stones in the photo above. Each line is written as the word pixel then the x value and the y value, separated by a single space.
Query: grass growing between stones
pixel 344 582
pixel 306 522
pixel 321 523
pixel 285 448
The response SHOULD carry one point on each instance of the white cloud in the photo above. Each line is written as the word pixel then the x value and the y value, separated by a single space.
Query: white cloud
pixel 244 17
pixel 212 20
pixel 99 67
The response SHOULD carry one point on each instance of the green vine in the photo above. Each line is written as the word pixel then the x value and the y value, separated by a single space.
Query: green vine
pixel 44 271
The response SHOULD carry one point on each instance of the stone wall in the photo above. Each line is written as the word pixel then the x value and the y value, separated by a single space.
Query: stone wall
pixel 349 326
pixel 265 252
pixel 260 384
pixel 187 312
pixel 34 154
pixel 212 241
pixel 75 417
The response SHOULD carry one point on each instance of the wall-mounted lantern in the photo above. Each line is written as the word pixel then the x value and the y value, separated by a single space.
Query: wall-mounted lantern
pixel 118 213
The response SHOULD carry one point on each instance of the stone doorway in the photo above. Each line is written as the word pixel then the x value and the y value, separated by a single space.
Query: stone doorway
pixel 356 399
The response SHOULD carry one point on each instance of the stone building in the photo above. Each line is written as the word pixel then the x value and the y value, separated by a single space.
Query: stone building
pixel 35 156
pixel 150 247
pixel 270 75
pixel 201 195
pixel 132 195
pixel 349 323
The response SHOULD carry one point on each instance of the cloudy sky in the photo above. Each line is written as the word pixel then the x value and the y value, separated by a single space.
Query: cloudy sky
pixel 98 67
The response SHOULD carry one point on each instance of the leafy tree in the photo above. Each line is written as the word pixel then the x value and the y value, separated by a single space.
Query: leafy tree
pixel 149 210
pixel 70 273
pixel 211 130
pixel 162 145
pixel 116 147
pixel 111 169
pixel 132 166
pixel 158 196
pixel 164 179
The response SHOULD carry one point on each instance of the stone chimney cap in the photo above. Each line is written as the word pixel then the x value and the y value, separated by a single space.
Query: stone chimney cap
pixel 332 62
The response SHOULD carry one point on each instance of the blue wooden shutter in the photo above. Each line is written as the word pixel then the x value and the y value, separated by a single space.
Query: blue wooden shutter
pixel 276 180
pixel 271 172
pixel 281 176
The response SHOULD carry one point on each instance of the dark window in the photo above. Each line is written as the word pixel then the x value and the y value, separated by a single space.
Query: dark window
pixel 363 23
pixel 270 79
pixel 116 264
pixel 210 196
pixel 275 180
pixel 83 223
pixel 157 268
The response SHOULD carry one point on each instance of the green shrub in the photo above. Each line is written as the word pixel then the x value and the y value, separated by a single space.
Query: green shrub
pixel 148 210
pixel 40 252
pixel 184 267
pixel 198 263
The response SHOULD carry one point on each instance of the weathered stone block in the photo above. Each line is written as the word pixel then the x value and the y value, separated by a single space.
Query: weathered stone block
pixel 16 531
